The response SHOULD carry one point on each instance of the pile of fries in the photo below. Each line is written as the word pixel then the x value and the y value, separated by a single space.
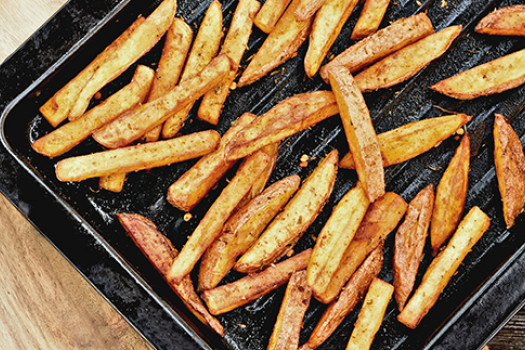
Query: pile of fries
pixel 252 226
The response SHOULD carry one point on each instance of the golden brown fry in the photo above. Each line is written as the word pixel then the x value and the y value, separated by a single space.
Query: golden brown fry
pixel 114 182
pixel 370 18
pixel 242 230
pixel 269 14
pixel 211 225
pixel 288 117
pixel 406 62
pixel 160 252
pixel 359 132
pixel 444 266
pixel 371 315
pixel 493 77
pixel 130 127
pixel 509 20
pixel 409 243
pixel 307 8
pixel 233 295
pixel 281 44
pixel 451 194
pixel 382 43
pixel 289 321
pixel 71 134
pixel 510 169
pixel 138 157
pixel 234 46
pixel 325 29
pixel 286 229
pixel 413 139
pixel 380 219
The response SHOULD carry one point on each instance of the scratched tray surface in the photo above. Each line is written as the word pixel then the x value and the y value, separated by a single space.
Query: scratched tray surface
pixel 249 327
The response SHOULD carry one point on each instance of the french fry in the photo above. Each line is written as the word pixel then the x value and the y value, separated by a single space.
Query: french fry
pixel 451 194
pixel 234 46
pixel 371 315
pixel 160 252
pixel 71 134
pixel 380 219
pixel 335 237
pixel 288 117
pixel 189 189
pixel 510 169
pixel 509 20
pixel 269 14
pixel 114 182
pixel 130 127
pixel 233 295
pixel 370 18
pixel 280 45
pixel 409 243
pixel 289 321
pixel 382 43
pixel 211 225
pixel 410 140
pixel 326 27
pixel 140 41
pixel 205 47
pixel 138 157
pixel 493 77
pixel 444 266
pixel 359 132
pixel 406 62
pixel 307 8
pixel 351 294
pixel 286 229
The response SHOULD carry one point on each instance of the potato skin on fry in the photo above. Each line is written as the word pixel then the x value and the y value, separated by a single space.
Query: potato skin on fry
pixel 509 20
pixel 269 14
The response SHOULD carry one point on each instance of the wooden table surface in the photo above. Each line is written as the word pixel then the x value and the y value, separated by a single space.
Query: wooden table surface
pixel 44 302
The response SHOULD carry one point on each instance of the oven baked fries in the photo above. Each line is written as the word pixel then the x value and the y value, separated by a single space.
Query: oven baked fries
pixel 269 14
pixel 451 194
pixel 406 62
pixel 510 169
pixel 308 8
pixel 412 139
pixel 509 20
pixel 137 157
pixel 286 229
pixel 370 18
pixel 493 77
pixel 233 295
pixel 242 230
pixel 444 266
pixel 160 252
pixel 359 132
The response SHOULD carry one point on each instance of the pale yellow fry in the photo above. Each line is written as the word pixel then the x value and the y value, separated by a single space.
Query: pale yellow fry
pixel 308 8
pixel 370 18
pixel 269 14
pixel 113 182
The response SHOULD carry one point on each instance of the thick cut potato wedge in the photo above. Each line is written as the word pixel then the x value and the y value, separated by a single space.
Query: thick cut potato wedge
pixel 71 134
pixel 444 266
pixel 160 252
pixel 269 14
pixel 288 117
pixel 308 8
pixel 289 321
pixel 409 243
pixel 286 229
pixel 411 140
pixel 359 132
pixel 233 295
pixel 451 194
pixel 351 294
pixel 335 237
pixel 138 157
pixel 406 62
pixel 370 18
pixel 325 29
pixel 493 77
pixel 242 230
pixel 371 315
pixel 509 20
pixel 211 225
pixel 510 169
pixel 234 46
pixel 382 43
pixel 130 127
pixel 281 44
pixel 381 218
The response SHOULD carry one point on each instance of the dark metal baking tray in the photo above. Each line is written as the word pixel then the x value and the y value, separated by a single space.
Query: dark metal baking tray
pixel 79 219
